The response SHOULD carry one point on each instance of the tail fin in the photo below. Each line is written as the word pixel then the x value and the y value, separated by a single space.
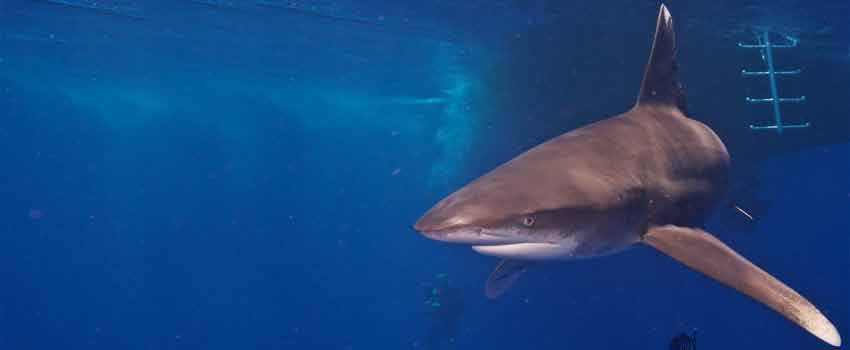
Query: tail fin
pixel 660 86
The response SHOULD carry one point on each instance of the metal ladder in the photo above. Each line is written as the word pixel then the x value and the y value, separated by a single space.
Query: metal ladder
pixel 767 47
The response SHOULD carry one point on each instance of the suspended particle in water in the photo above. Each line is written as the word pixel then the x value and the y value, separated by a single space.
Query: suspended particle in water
pixel 35 214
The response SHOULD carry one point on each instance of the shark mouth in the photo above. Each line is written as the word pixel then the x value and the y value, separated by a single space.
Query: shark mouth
pixel 527 251
pixel 492 243
pixel 473 236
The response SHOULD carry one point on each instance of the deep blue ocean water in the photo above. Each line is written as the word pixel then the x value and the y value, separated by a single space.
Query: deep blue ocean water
pixel 245 174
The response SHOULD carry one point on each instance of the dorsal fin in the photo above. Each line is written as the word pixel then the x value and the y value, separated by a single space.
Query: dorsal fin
pixel 660 84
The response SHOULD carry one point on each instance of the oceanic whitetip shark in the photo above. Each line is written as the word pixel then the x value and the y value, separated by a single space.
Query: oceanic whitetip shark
pixel 649 176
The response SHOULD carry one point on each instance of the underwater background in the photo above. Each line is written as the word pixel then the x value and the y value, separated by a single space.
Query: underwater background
pixel 203 174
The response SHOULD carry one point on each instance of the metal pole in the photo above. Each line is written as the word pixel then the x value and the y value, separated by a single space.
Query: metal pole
pixel 771 73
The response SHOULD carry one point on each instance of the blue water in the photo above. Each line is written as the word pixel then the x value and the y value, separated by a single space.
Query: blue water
pixel 179 175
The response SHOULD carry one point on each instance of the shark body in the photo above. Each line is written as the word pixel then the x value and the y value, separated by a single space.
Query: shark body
pixel 651 175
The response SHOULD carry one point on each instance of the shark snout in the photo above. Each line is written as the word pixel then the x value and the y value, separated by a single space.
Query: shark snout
pixel 439 218
pixel 438 227
pixel 456 230
pixel 475 236
pixel 466 217
pixel 424 224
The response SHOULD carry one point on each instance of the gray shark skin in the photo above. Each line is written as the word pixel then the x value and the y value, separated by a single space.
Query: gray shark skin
pixel 650 175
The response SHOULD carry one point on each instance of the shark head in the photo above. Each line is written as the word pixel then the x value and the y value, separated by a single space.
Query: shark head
pixel 519 212
pixel 473 217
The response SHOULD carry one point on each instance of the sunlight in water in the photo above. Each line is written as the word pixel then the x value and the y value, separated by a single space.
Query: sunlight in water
pixel 441 110
pixel 121 105
pixel 459 120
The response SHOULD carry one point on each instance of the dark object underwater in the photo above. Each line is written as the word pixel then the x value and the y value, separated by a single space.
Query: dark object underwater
pixel 445 306
pixel 684 342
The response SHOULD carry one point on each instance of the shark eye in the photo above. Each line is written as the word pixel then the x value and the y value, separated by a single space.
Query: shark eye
pixel 528 221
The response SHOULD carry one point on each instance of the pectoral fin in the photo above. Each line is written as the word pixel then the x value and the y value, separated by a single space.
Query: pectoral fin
pixel 703 252
pixel 506 273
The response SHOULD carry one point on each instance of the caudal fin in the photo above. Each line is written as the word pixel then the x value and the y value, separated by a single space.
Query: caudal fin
pixel 703 252
pixel 660 86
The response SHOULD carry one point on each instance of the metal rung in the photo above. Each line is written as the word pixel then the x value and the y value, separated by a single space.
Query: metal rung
pixel 770 99
pixel 780 72
pixel 767 47
pixel 775 127
pixel 759 46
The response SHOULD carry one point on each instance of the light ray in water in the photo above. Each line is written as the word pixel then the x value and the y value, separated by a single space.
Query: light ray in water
pixel 94 6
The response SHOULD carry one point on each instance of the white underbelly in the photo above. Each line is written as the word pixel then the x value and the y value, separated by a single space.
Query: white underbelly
pixel 577 246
